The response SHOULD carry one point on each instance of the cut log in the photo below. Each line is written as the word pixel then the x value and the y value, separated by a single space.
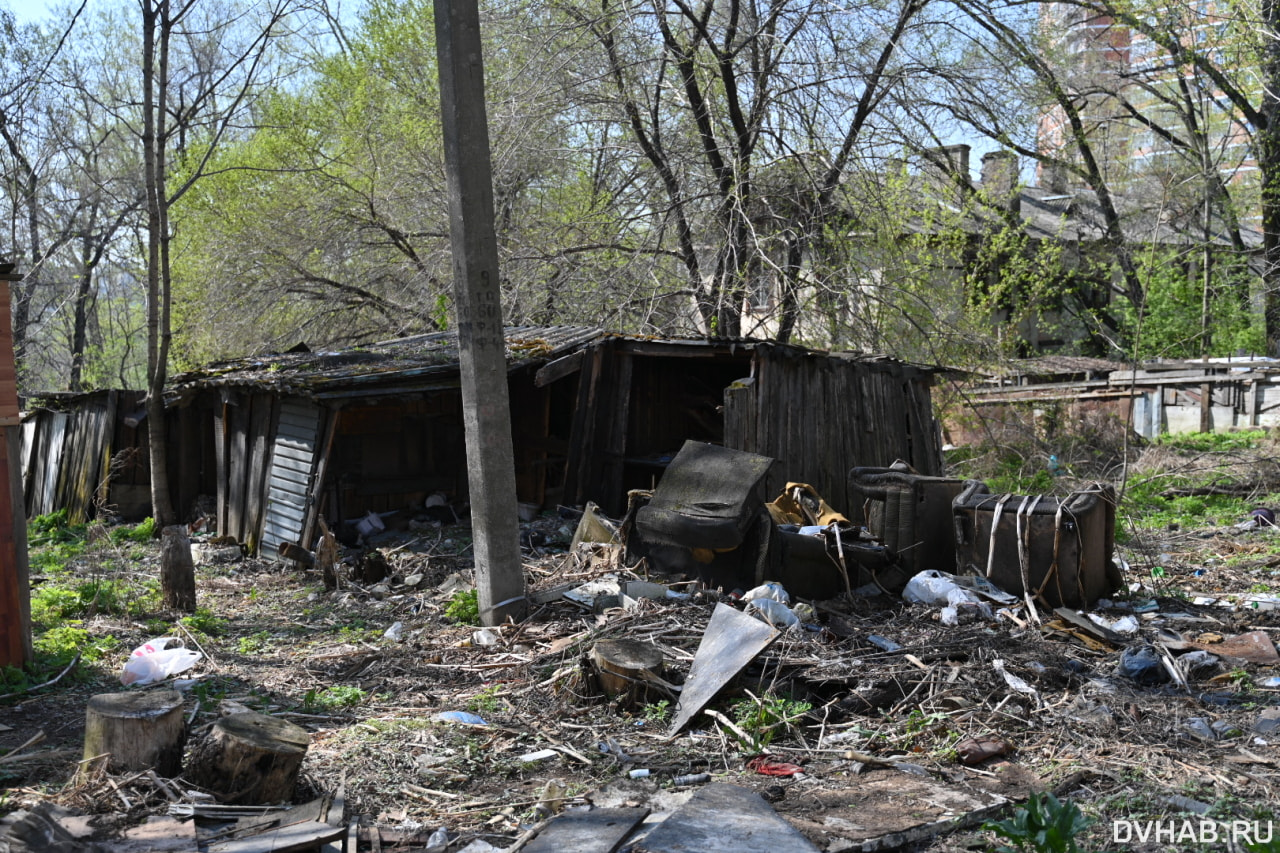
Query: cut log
pixel 626 668
pixel 327 553
pixel 295 552
pixel 177 569
pixel 139 729
pixel 250 758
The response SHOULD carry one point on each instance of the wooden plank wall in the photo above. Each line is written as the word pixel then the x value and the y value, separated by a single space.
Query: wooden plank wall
pixel 819 416
pixel 247 430
pixel 68 457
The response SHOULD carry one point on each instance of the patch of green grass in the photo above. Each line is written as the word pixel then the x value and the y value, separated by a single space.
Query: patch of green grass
pixel 54 529
pixel 657 712
pixel 53 603
pixel 486 701
pixel 464 607
pixel 142 533
pixel 333 698
pixel 57 646
pixel 206 622
pixel 1209 442
pixel 254 643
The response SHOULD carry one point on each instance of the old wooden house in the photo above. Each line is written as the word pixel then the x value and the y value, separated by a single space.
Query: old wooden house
pixel 278 441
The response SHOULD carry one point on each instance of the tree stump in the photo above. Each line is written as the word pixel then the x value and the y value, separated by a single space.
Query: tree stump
pixel 140 729
pixel 177 569
pixel 250 758
pixel 624 667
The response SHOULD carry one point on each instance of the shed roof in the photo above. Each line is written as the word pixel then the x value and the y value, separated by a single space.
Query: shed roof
pixel 419 362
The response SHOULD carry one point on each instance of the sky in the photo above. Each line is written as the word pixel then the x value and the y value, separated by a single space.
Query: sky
pixel 27 10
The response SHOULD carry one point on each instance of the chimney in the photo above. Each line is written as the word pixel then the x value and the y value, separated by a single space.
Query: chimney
pixel 1053 177
pixel 1000 177
pixel 948 160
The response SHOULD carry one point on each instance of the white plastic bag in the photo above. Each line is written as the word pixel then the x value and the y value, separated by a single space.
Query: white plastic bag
pixel 774 612
pixel 772 589
pixel 929 587
pixel 155 660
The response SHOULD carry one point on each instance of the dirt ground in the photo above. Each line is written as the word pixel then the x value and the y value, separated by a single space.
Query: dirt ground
pixel 281 643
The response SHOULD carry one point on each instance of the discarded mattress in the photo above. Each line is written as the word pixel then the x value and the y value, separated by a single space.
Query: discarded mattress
pixel 1067 543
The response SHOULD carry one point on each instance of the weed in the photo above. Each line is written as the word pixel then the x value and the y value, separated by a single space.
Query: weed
pixel 53 529
pixel 333 698
pixel 761 716
pixel 209 692
pixel 142 533
pixel 464 607
pixel 1045 824
pixel 205 621
pixel 658 712
pixel 254 643
pixel 486 701
pixel 57 646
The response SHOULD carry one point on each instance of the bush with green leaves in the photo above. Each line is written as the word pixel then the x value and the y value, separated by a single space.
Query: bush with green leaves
pixel 1045 824
pixel 205 621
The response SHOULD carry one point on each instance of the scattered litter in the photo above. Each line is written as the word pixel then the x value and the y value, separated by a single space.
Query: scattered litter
pixel 1012 680
pixel 639 773
pixel 464 717
pixel 766 766
pixel 691 779
pixel 1124 625
pixel 1200 729
pixel 730 642
pixel 1199 665
pixel 395 633
pixel 540 755
pixel 774 612
pixel 1143 665
pixel 883 643
pixel 1268 721
pixel 156 660
pixel 979 749
pixel 484 637
pixel 772 590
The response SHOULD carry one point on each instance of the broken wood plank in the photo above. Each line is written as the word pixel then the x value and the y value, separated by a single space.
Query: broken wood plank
pixel 587 831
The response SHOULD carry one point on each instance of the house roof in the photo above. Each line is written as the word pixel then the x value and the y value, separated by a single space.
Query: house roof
pixel 419 362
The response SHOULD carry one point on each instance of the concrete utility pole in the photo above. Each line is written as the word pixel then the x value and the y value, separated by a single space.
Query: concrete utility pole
pixel 15 588
pixel 482 347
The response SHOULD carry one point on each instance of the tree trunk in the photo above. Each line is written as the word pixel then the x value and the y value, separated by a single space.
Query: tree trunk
pixel 139 729
pixel 177 570
pixel 250 758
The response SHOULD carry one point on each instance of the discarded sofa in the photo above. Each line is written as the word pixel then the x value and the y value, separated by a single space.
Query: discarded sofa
pixel 706 518
pixel 1059 548
pixel 910 513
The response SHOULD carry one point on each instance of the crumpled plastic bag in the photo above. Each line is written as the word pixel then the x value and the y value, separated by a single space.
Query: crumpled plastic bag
pixel 156 660
pixel 774 612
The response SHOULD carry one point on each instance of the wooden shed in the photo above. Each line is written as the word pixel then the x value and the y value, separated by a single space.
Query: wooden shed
pixel 819 414
pixel 302 435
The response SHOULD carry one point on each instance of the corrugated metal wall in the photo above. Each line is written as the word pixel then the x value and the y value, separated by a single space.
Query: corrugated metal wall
pixel 292 467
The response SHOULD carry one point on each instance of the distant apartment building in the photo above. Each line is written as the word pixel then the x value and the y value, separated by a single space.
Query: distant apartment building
pixel 1157 126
